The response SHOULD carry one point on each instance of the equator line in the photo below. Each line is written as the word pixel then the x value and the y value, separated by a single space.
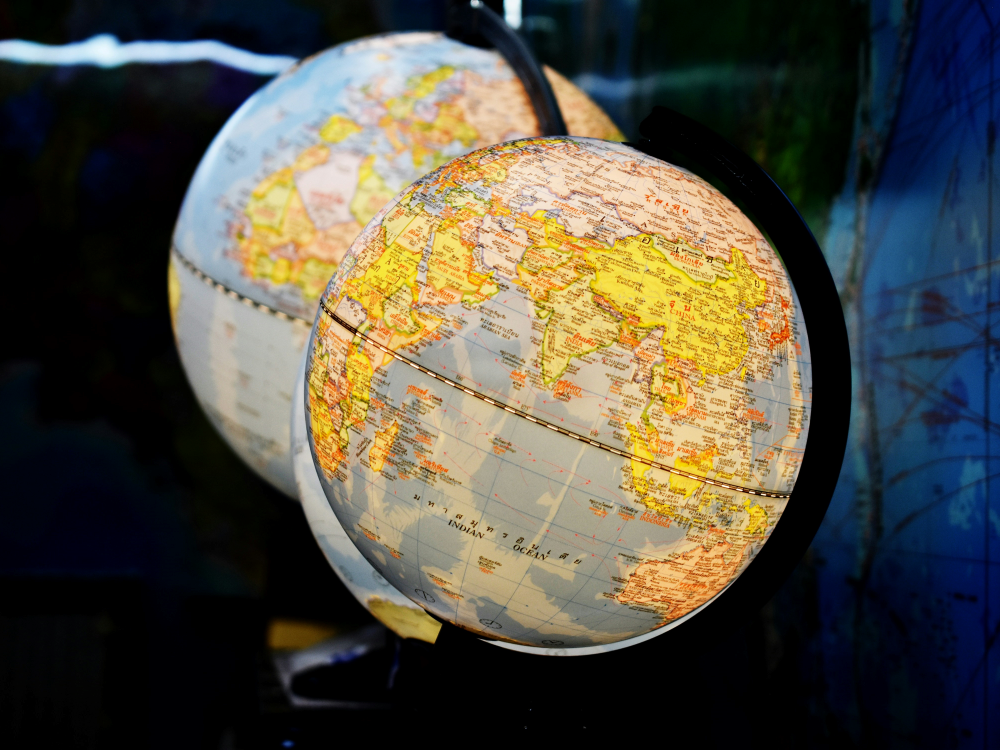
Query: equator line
pixel 555 428
pixel 233 294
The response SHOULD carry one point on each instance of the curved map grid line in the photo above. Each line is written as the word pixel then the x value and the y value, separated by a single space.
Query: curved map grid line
pixel 555 428
pixel 233 294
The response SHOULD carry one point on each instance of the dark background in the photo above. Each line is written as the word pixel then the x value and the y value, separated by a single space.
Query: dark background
pixel 141 562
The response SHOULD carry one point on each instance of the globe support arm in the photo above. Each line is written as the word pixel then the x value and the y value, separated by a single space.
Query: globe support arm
pixel 469 20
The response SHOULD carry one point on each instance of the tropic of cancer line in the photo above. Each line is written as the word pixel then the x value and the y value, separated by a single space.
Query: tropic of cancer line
pixel 555 428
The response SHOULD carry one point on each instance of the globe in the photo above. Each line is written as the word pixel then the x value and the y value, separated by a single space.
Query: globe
pixel 373 592
pixel 559 393
pixel 288 184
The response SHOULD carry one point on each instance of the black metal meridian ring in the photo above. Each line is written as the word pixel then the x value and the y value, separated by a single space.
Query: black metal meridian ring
pixel 469 20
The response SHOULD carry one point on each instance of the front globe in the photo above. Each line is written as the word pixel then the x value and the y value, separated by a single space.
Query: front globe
pixel 559 392
pixel 289 183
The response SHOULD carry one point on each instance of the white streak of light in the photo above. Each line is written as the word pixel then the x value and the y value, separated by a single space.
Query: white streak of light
pixel 106 51
pixel 512 13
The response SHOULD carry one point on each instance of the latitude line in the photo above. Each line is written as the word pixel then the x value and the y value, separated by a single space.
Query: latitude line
pixel 543 423
pixel 233 294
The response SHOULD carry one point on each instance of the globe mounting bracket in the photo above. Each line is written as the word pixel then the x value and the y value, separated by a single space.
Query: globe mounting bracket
pixel 472 22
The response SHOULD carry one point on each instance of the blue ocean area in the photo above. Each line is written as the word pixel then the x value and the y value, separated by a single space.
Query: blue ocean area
pixel 908 572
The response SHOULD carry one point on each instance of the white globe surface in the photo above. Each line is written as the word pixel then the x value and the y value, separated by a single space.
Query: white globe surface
pixel 559 392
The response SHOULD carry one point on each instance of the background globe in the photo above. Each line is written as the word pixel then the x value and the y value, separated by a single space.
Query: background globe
pixel 559 392
pixel 365 583
pixel 288 184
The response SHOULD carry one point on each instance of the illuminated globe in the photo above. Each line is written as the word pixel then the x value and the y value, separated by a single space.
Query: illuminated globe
pixel 559 392
pixel 289 183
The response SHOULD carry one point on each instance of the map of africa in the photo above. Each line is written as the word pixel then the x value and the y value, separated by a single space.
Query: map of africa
pixel 559 391
pixel 289 183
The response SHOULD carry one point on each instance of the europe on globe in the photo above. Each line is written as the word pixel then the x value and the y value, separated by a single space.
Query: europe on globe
pixel 289 183
pixel 559 392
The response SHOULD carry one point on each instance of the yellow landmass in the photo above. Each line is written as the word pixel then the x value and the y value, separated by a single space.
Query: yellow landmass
pixel 575 327
pixel 641 449
pixel 670 391
pixel 421 137
pixel 551 279
pixel 643 441
pixel 322 425
pixel 468 202
pixel 312 277
pixel 466 170
pixel 266 207
pixel 382 446
pixel 698 464
pixel 449 125
pixel 557 237
pixel 337 128
pixel 758 517
pixel 425 326
pixel 451 263
pixel 311 157
pixel 683 485
pixel 325 417
pixel 551 263
pixel 406 622
pixel 281 271
pixel 703 323
pixel 173 293
pixel 317 255
pixel 394 271
pixel 285 247
pixel 547 260
pixel 419 88
pixel 408 228
pixel 297 227
pixel 371 194
pixel 355 406
pixel 486 290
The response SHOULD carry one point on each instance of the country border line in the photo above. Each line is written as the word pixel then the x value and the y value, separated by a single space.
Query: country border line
pixel 233 294
pixel 555 428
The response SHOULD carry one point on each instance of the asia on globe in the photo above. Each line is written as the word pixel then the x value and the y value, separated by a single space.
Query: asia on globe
pixel 559 392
